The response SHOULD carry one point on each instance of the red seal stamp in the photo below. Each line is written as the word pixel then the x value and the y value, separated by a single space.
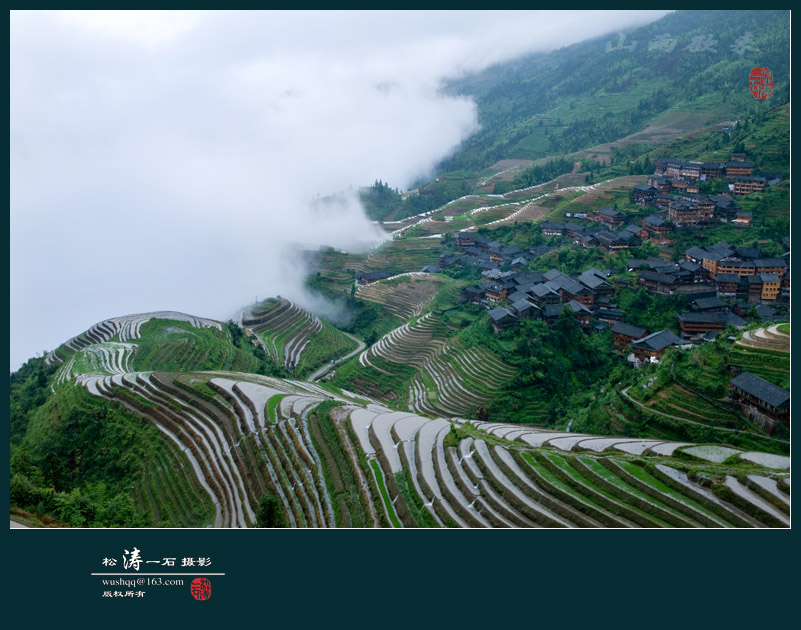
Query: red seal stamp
pixel 200 589
pixel 760 82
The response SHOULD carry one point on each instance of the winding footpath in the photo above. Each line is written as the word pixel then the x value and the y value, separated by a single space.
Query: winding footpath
pixel 625 392
pixel 317 375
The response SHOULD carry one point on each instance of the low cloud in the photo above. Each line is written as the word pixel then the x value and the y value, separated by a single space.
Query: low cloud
pixel 171 161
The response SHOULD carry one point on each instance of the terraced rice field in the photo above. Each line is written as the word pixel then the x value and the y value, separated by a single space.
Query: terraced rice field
pixel 450 379
pixel 766 353
pixel 769 338
pixel 457 380
pixel 679 401
pixel 443 227
pixel 490 481
pixel 122 329
pixel 335 459
pixel 238 452
pixel 294 337
pixel 497 476
pixel 401 256
pixel 100 358
pixel 403 296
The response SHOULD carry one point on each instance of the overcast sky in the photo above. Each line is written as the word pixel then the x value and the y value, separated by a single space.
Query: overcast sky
pixel 166 160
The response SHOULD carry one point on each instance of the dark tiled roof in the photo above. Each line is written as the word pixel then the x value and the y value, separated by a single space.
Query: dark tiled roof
pixel 635 332
pixel 655 219
pixel 577 307
pixel 770 262
pixel 762 389
pixel 570 286
pixel 375 275
pixel 657 341
pixel 749 252
pixel 661 278
pixel 710 302
pixel 501 314
pixel 517 296
pixel 651 263
pixel 541 290
pixel 606 312
pixel 721 246
pixel 592 281
pixel 522 306
pixel 695 252
pixel 765 312
pixel 552 310
pixel 529 277
pixel 711 318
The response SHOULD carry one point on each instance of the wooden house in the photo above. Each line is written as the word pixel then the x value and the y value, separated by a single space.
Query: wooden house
pixel 763 401
pixel 650 349
pixel 697 324
pixel 624 334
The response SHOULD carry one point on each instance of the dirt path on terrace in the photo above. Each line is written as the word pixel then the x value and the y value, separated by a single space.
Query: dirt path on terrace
pixel 316 376
pixel 625 393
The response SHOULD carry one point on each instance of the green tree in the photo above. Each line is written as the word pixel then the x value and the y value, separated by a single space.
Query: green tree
pixel 270 512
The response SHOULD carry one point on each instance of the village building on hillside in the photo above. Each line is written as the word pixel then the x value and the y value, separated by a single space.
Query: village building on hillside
pixel 743 218
pixel 624 334
pixel 727 284
pixel 739 169
pixel 551 228
pixel 748 184
pixel 709 304
pixel 373 276
pixel 569 289
pixel 691 212
pixel 610 217
pixel 465 239
pixel 694 325
pixel 651 348
pixel 525 309
pixel 544 295
pixel 502 319
pixel 644 194
pixel 763 287
pixel 658 227
pixel 609 316
pixel 582 314
pixel 761 400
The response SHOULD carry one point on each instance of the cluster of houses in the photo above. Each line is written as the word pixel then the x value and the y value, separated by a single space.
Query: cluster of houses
pixel 488 254
pixel 740 274
pixel 513 296
pixel 674 189
pixel 613 234
pixel 516 294
pixel 722 283
pixel 743 273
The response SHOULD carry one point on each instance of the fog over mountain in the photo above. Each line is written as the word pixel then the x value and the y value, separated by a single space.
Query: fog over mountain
pixel 168 160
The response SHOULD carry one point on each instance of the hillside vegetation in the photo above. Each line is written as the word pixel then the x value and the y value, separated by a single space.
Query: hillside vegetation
pixel 418 410
pixel 580 96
